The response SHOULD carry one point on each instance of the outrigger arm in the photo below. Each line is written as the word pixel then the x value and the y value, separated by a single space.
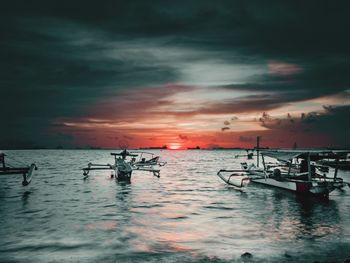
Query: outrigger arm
pixel 26 172
pixel 99 167
pixel 156 172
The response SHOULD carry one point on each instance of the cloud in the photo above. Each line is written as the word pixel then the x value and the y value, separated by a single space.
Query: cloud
pixel 332 123
pixel 183 137
pixel 246 139
pixel 76 60
pixel 283 69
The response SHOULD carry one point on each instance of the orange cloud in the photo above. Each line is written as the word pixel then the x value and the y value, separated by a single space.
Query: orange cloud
pixel 144 118
pixel 280 68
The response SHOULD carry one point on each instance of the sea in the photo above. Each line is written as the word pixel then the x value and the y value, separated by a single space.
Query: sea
pixel 186 215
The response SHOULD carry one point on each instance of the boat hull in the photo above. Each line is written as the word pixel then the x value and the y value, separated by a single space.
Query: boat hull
pixel 300 187
pixel 27 177
pixel 123 171
pixel 123 177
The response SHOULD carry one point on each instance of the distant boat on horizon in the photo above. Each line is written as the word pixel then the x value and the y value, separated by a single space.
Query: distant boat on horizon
pixel 164 147
pixel 194 148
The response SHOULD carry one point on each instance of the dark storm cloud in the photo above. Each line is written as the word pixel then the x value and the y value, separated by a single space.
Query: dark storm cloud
pixel 59 57
pixel 323 78
pixel 45 74
pixel 288 28
pixel 333 122
pixel 246 104
pixel 274 27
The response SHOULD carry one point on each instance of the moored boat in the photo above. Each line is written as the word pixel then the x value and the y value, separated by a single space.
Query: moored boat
pixel 125 163
pixel 26 171
pixel 296 171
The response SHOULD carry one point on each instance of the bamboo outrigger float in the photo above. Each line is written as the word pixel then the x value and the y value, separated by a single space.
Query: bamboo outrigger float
pixel 125 163
pixel 342 163
pixel 27 172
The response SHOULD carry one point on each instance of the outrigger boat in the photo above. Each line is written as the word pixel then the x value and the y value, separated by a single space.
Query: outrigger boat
pixel 294 170
pixel 27 172
pixel 126 162
pixel 147 162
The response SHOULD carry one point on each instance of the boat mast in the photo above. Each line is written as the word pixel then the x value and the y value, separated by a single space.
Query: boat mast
pixel 336 167
pixel 290 166
pixel 263 161
pixel 257 150
pixel 2 160
pixel 309 166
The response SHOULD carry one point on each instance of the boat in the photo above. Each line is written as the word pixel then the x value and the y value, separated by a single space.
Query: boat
pixel 147 162
pixel 126 162
pixel 295 171
pixel 26 171
pixel 194 148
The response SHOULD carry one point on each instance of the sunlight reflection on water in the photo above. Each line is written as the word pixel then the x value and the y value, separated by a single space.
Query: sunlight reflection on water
pixel 186 215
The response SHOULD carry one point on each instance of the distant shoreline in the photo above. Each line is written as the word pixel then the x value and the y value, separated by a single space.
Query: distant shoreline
pixel 186 149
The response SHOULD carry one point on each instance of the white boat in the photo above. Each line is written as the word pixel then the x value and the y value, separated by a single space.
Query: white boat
pixel 126 162
pixel 26 171
pixel 296 171
pixel 147 161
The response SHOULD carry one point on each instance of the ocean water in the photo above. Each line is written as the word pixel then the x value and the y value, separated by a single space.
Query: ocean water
pixel 186 215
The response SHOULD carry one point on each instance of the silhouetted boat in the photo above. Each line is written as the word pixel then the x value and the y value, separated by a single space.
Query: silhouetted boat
pixel 194 148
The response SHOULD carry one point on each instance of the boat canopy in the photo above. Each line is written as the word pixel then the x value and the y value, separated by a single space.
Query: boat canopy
pixel 124 153
pixel 288 155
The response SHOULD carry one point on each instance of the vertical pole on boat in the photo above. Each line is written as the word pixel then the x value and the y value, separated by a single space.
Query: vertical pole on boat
pixel 257 150
pixel 263 161
pixel 290 167
pixel 2 159
pixel 309 166
pixel 336 168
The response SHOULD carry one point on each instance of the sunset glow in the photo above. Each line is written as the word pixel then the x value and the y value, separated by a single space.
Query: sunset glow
pixel 168 81
pixel 145 128
pixel 174 146
pixel 219 122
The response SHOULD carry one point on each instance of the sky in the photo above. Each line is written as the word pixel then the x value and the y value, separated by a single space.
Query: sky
pixel 177 73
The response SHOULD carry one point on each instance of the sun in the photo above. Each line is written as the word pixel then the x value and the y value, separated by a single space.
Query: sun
pixel 175 146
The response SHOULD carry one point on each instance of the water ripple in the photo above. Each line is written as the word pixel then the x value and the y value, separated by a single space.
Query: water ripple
pixel 186 215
